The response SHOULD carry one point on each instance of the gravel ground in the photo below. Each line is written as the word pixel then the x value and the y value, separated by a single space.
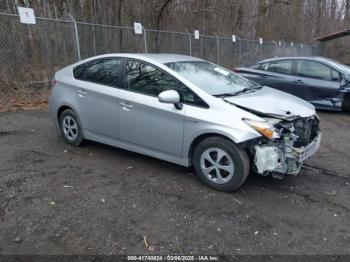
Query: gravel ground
pixel 95 199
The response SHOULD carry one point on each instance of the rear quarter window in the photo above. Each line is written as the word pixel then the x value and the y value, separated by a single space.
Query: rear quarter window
pixel 78 71
pixel 256 66
pixel 264 66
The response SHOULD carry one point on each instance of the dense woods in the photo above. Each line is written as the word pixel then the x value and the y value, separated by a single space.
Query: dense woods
pixel 288 20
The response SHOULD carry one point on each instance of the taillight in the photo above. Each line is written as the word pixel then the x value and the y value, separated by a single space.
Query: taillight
pixel 53 82
pixel 236 70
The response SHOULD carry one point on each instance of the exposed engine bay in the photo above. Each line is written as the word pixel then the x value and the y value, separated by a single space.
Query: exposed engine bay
pixel 290 131
pixel 299 138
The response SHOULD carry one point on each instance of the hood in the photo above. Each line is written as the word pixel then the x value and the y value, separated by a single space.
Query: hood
pixel 270 101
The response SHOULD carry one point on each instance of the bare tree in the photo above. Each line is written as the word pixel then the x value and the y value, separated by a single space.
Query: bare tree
pixel 297 20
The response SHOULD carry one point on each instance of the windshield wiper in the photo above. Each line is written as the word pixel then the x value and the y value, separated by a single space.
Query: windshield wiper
pixel 246 89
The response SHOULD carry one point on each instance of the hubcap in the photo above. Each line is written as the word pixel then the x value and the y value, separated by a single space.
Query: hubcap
pixel 217 165
pixel 70 127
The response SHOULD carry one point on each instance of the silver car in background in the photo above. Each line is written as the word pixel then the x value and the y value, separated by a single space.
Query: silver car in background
pixel 186 111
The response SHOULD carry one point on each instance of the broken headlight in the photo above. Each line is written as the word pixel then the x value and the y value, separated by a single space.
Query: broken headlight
pixel 263 127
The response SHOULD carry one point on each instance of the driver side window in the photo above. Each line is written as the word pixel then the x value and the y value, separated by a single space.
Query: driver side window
pixel 146 79
pixel 317 70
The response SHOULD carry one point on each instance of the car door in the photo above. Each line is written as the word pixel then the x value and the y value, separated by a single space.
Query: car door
pixel 280 75
pixel 316 80
pixel 98 83
pixel 143 120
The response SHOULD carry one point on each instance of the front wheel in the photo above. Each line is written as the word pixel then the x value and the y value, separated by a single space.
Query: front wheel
pixel 220 164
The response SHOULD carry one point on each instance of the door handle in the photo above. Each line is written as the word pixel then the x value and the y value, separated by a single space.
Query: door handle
pixel 125 105
pixel 299 82
pixel 191 120
pixel 263 76
pixel 81 93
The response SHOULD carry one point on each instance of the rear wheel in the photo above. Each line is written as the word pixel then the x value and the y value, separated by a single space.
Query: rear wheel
pixel 220 164
pixel 70 127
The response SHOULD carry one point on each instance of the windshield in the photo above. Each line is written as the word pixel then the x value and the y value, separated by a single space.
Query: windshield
pixel 212 78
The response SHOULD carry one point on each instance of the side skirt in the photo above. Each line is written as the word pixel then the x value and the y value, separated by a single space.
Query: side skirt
pixel 137 149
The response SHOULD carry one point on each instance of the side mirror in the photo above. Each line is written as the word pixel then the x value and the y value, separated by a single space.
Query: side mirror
pixel 170 97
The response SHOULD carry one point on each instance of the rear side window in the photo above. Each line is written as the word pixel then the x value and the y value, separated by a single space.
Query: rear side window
pixel 281 67
pixel 316 70
pixel 101 71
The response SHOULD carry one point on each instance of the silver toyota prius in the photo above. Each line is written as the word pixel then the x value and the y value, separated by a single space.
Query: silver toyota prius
pixel 186 111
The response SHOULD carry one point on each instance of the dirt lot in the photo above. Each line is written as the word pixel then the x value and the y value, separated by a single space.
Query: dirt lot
pixel 95 199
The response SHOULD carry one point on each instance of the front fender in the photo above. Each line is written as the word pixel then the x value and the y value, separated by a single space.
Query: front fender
pixel 237 136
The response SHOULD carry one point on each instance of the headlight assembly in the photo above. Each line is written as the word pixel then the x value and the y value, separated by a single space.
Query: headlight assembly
pixel 263 127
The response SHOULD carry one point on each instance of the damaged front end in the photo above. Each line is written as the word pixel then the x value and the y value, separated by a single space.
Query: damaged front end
pixel 338 102
pixel 345 90
pixel 294 140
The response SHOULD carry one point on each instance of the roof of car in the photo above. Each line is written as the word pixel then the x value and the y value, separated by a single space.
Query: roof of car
pixel 315 58
pixel 168 58
pixel 160 58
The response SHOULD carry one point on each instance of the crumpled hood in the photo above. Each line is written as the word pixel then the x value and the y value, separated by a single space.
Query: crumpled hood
pixel 273 102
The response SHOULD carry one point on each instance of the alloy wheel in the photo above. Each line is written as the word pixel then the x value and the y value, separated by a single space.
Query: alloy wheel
pixel 70 128
pixel 217 165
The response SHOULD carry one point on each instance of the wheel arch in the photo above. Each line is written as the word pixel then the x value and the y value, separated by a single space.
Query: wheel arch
pixel 63 107
pixel 202 137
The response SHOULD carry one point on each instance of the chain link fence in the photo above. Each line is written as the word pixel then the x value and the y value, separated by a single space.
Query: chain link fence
pixel 30 54
pixel 28 57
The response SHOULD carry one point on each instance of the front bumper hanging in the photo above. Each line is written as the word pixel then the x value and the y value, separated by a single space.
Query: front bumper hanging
pixel 283 159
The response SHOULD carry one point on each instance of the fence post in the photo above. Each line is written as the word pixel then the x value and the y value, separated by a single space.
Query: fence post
pixel 239 50
pixel 260 49
pixel 76 36
pixel 145 39
pixel 276 49
pixel 317 50
pixel 190 39
pixel 218 48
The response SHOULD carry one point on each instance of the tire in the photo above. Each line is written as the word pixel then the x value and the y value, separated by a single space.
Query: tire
pixel 233 165
pixel 70 127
